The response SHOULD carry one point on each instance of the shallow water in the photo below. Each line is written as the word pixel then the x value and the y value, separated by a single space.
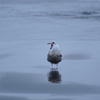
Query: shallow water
pixel 26 26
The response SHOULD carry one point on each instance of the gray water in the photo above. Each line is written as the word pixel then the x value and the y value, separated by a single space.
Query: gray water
pixel 26 26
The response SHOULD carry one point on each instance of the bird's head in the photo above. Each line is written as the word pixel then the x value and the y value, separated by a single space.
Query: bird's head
pixel 52 44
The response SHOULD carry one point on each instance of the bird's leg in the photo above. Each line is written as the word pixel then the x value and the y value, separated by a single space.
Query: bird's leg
pixel 52 66
pixel 56 66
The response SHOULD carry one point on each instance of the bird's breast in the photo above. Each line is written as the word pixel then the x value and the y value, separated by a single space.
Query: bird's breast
pixel 54 52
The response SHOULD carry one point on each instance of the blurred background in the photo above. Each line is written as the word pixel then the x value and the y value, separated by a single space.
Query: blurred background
pixel 26 26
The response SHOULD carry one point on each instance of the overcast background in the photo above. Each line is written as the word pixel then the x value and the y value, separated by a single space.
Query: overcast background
pixel 26 26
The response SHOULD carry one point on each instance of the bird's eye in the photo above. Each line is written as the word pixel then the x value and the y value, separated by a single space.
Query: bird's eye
pixel 53 42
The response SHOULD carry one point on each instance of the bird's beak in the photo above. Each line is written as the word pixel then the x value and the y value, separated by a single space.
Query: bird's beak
pixel 49 43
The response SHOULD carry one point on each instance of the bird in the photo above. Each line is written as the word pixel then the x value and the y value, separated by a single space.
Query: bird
pixel 54 55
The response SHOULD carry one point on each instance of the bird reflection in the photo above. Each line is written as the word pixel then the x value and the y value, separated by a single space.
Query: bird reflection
pixel 54 76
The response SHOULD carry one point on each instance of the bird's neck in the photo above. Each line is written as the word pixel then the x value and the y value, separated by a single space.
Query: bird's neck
pixel 54 50
pixel 51 46
pixel 54 47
